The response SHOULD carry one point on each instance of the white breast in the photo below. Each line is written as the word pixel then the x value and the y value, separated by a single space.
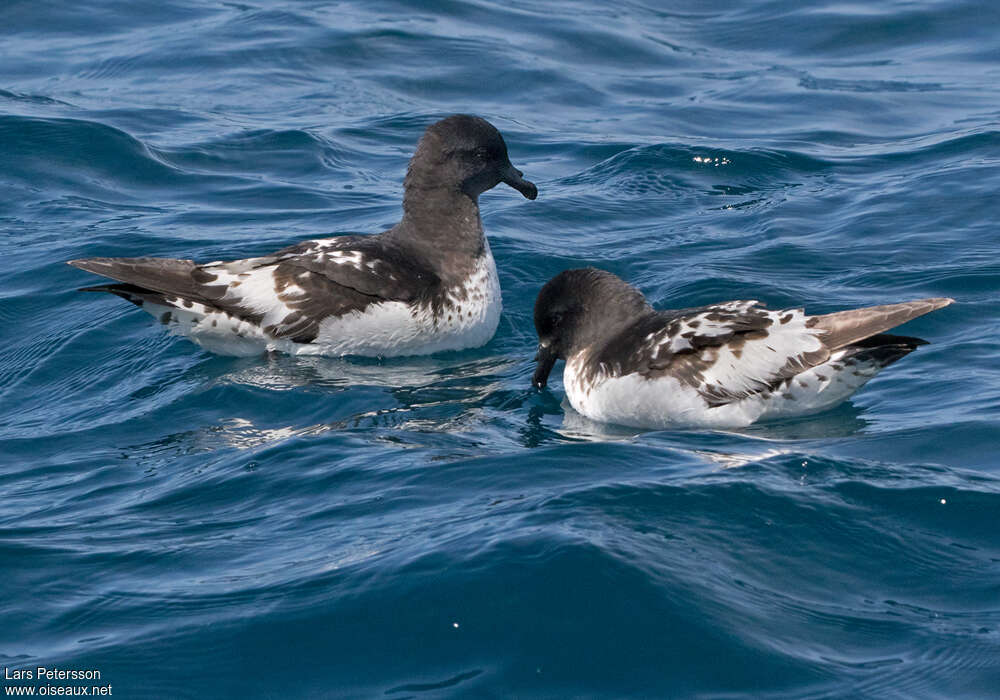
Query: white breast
pixel 659 403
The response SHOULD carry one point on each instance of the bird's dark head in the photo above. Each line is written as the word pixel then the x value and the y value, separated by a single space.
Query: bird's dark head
pixel 579 308
pixel 466 153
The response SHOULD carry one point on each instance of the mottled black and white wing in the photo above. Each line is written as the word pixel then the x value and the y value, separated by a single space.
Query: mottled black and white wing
pixel 286 295
pixel 369 265
pixel 726 352
pixel 299 287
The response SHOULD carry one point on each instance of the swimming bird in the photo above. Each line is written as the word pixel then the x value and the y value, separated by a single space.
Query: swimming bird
pixel 719 366
pixel 428 284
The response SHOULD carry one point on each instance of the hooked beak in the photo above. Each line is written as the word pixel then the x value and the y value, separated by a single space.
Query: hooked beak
pixel 515 178
pixel 545 358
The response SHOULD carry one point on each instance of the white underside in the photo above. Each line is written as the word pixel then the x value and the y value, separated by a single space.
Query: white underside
pixel 468 319
pixel 665 402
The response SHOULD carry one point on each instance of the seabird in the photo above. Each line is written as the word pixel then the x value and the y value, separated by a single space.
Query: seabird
pixel 719 366
pixel 426 285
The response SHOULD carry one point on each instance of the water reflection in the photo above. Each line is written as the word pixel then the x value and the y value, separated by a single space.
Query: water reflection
pixel 844 421
pixel 435 396
pixel 579 427
pixel 457 405
pixel 283 372
pixel 724 448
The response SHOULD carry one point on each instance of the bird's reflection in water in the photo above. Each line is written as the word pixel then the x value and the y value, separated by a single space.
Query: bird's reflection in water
pixel 844 421
pixel 579 427
pixel 439 395
pixel 459 404
pixel 243 434
pixel 284 372
pixel 538 430
pixel 723 448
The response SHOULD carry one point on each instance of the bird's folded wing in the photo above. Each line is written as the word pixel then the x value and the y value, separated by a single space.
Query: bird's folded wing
pixel 288 293
pixel 726 352
pixel 730 351
pixel 365 264
pixel 299 287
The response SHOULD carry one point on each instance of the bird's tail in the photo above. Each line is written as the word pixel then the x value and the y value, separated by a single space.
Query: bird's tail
pixel 129 292
pixel 168 276
pixel 855 326
pixel 883 349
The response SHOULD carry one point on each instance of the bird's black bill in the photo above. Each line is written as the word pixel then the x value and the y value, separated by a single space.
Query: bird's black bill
pixel 515 178
pixel 545 358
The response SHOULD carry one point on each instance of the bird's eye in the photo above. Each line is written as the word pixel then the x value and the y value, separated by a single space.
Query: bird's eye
pixel 481 154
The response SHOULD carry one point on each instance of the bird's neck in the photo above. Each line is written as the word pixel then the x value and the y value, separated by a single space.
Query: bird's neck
pixel 443 219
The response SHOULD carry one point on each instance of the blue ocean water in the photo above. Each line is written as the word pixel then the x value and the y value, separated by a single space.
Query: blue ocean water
pixel 195 526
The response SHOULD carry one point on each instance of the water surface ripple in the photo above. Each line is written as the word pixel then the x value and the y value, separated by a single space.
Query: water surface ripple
pixel 197 526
